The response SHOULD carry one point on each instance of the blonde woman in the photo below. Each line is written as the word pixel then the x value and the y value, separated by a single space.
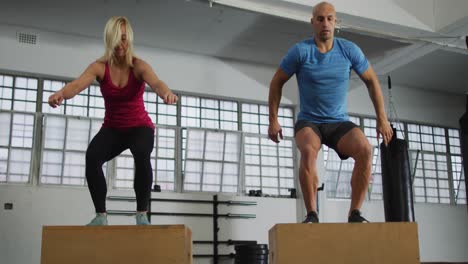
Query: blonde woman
pixel 122 78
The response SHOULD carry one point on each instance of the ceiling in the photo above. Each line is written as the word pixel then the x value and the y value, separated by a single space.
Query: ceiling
pixel 194 26
pixel 439 70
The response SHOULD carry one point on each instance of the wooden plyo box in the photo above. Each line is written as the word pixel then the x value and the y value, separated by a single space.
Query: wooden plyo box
pixel 369 243
pixel 116 244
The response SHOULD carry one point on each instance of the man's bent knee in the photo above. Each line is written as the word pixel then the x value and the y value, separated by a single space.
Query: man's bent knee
pixel 309 153
pixel 363 152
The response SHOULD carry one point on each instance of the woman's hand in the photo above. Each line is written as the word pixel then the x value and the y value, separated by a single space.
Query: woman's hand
pixel 170 98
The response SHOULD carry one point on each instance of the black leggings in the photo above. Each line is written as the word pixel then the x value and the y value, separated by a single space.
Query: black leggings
pixel 109 143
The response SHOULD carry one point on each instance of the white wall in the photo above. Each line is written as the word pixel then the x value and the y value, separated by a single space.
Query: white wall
pixel 446 14
pixel 67 56
pixel 37 206
pixel 413 105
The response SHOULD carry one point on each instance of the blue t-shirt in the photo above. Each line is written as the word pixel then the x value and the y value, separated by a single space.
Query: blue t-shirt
pixel 323 78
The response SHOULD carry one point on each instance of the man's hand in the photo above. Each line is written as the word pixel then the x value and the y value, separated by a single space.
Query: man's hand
pixel 384 129
pixel 170 98
pixel 274 129
pixel 56 99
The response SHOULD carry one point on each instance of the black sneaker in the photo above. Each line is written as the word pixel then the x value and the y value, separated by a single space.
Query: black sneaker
pixel 311 217
pixel 355 217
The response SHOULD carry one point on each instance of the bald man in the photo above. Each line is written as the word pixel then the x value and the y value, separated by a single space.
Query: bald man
pixel 322 65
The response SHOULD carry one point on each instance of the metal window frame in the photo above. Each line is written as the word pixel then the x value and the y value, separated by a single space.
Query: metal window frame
pixel 9 148
pixel 174 158
pixel 203 160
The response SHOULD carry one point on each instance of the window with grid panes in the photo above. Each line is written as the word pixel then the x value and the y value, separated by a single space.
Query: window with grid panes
pixel 96 102
pixel 25 94
pixel 458 173
pixel 49 87
pixel 268 166
pixel 206 113
pixel 429 160
pixel 191 112
pixel 18 93
pixel 6 92
pixel 88 103
pixel 209 113
pixel 65 141
pixel 160 113
pixel 255 119
pixel 124 170
pixel 16 142
pixel 212 161
pixel 213 113
pixel 338 172
pixel 272 171
pixel 165 158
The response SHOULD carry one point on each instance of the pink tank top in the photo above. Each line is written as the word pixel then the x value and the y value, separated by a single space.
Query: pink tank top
pixel 124 105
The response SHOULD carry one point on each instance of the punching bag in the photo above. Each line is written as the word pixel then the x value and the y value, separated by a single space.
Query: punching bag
pixel 464 142
pixel 396 181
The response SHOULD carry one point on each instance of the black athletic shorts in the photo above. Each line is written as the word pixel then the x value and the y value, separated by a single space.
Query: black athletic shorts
pixel 329 133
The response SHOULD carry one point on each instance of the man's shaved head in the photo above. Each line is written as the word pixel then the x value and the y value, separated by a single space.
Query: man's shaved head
pixel 323 21
pixel 323 6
